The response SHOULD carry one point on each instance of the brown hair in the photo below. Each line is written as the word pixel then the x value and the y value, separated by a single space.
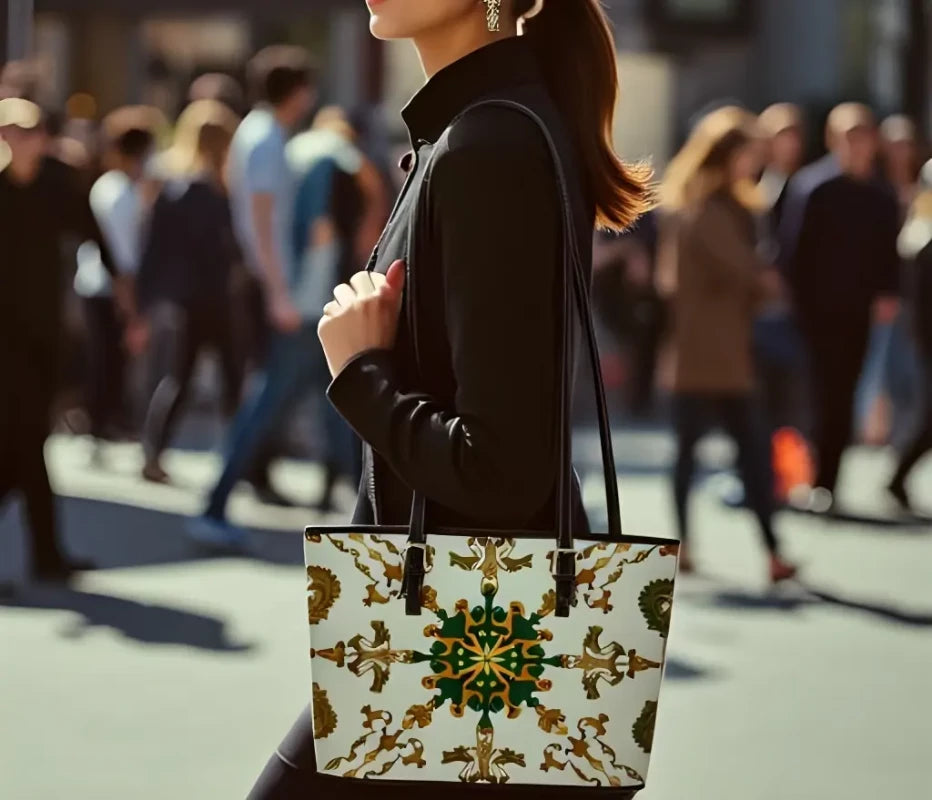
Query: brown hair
pixel 576 50
pixel 701 167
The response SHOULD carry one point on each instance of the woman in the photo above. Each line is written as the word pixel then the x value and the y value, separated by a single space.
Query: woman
pixel 717 281
pixel 916 250
pixel 184 278
pixel 473 424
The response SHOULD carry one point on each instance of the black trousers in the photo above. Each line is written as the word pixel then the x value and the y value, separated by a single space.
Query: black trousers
pixel 182 335
pixel 106 365
pixel 26 395
pixel 694 415
pixel 836 356
pixel 921 444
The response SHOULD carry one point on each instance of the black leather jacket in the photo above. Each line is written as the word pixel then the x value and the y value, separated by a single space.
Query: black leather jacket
pixel 474 429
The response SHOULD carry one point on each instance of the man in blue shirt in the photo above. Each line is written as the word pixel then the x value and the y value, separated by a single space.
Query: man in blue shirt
pixel 263 190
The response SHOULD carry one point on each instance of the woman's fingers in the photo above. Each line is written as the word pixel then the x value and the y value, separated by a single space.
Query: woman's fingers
pixel 332 309
pixel 367 284
pixel 345 295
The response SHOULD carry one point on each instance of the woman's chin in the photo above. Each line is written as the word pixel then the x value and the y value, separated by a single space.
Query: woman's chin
pixel 385 30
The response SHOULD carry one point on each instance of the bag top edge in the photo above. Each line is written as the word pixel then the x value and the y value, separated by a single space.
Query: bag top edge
pixel 592 538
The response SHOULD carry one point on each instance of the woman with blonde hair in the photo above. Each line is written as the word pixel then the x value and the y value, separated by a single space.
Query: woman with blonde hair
pixel 716 279
pixel 184 279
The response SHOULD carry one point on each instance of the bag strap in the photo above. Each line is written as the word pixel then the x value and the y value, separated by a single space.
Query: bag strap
pixel 564 562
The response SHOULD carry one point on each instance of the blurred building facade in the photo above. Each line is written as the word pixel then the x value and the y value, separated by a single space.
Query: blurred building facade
pixel 677 56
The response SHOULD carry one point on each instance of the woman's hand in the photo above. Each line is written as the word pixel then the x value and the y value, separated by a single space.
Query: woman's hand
pixel 363 316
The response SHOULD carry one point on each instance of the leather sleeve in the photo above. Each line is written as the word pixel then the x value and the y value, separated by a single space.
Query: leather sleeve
pixel 491 455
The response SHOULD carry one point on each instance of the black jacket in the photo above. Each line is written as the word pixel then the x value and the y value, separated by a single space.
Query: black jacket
pixel 838 242
pixel 190 248
pixel 475 429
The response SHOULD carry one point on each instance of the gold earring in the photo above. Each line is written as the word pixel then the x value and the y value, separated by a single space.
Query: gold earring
pixel 493 15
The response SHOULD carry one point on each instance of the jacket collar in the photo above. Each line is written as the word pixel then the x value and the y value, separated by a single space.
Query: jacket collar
pixel 501 65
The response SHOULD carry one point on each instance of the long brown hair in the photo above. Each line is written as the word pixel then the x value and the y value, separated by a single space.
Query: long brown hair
pixel 701 167
pixel 576 50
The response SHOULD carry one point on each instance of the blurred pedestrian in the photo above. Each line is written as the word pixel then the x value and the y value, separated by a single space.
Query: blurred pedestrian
pixel 339 197
pixel 916 249
pixel 895 410
pixel 626 298
pixel 717 280
pixel 838 239
pixel 183 287
pixel 220 87
pixel 901 152
pixel 119 207
pixel 779 353
pixel 40 204
pixel 263 192
pixel 784 127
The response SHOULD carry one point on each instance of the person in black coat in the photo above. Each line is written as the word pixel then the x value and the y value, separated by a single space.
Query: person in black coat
pixel 838 235
pixel 42 202
pixel 473 423
pixel 916 249
pixel 184 278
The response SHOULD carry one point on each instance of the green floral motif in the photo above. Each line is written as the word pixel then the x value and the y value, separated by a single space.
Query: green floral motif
pixel 644 727
pixel 487 659
pixel 656 604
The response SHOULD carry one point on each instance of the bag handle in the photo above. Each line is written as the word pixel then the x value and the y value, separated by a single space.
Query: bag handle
pixel 564 562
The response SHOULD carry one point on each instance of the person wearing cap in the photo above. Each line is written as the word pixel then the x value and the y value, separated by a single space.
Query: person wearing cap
pixel 40 204
pixel 915 245
pixel 837 240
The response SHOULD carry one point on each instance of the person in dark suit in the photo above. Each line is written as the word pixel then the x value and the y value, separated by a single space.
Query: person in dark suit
pixel 41 203
pixel 838 247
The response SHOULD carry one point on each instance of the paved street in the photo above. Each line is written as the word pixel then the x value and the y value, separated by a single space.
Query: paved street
pixel 170 676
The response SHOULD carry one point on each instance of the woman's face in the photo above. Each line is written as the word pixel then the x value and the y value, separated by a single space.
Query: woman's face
pixel 408 19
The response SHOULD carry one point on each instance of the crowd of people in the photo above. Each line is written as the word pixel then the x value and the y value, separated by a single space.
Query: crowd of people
pixel 795 299
pixel 217 234
pixel 793 296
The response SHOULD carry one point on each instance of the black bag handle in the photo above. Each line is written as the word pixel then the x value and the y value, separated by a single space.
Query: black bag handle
pixel 564 563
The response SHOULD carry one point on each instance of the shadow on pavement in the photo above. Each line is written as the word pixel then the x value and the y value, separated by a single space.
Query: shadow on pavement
pixel 906 524
pixel 117 536
pixel 678 670
pixel 741 600
pixel 142 622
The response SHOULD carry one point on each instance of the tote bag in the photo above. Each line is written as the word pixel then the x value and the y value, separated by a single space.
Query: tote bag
pixel 488 657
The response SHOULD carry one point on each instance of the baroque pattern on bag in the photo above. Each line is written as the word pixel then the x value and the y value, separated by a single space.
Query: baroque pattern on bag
pixel 600 566
pixel 589 756
pixel 609 664
pixel 488 556
pixel 484 764
pixel 373 655
pixel 323 591
pixel 379 560
pixel 380 749
pixel 490 659
pixel 325 719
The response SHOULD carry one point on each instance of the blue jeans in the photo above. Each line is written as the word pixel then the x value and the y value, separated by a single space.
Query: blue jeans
pixel 296 365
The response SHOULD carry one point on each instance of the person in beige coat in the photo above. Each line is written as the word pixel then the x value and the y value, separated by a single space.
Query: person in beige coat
pixel 716 280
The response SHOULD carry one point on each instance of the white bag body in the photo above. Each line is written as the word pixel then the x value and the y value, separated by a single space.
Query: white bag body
pixel 488 686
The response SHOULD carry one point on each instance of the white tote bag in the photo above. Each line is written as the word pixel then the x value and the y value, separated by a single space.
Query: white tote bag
pixel 491 657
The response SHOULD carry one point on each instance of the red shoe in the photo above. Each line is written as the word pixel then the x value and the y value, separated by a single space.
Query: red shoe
pixel 687 567
pixel 781 571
